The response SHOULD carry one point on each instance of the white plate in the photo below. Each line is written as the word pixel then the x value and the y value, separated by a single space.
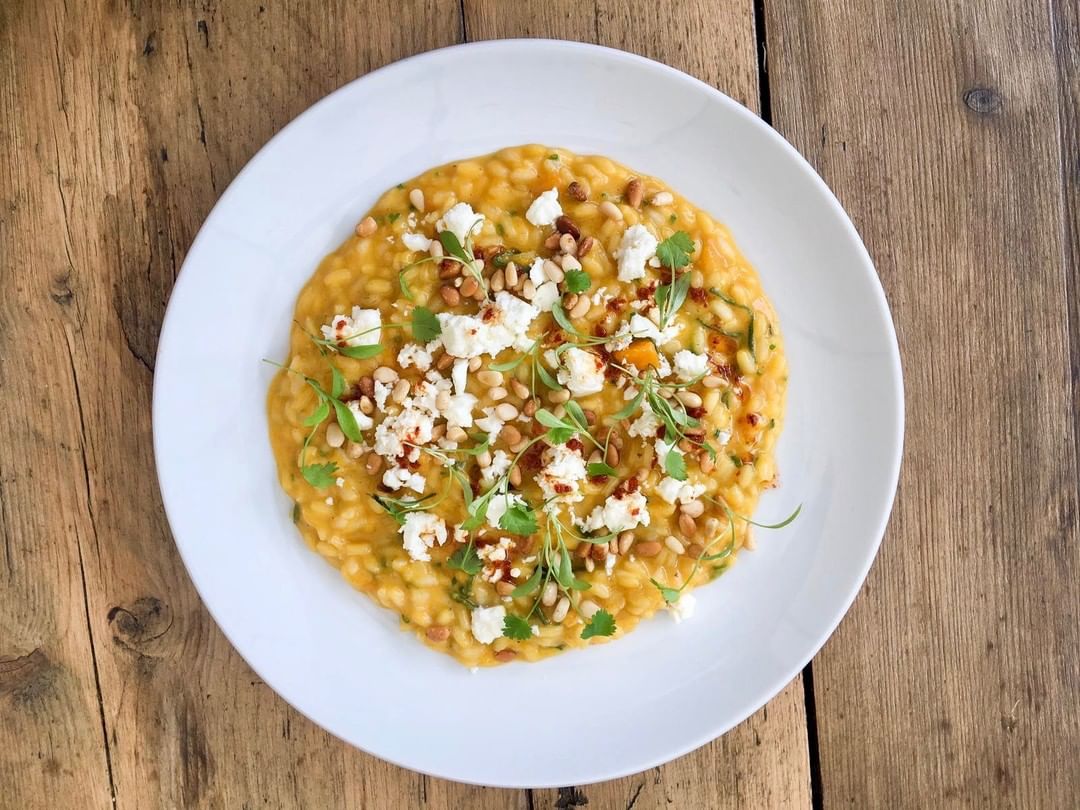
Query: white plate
pixel 587 715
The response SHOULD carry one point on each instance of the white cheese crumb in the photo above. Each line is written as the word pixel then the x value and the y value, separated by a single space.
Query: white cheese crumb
pixel 689 365
pixel 421 531
pixel 561 477
pixel 411 426
pixel 461 221
pixel 545 209
pixel 536 272
pixel 413 354
pixel 638 245
pixel 683 608
pixel 672 490
pixel 662 449
pixel 500 463
pixel 363 421
pixel 460 410
pixel 487 623
pixel 499 325
pixel 460 375
pixel 609 563
pixel 583 372
pixel 416 242
pixel 349 329
pixel 646 425
pixel 546 296
pixel 490 423
pixel 329 501
pixel 620 514
pixel 339 481
pixel 498 505
pixel 382 391
pixel 397 477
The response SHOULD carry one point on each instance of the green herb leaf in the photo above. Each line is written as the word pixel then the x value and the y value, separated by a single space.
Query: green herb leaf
pixel 508 365
pixel 392 216
pixel 577 414
pixel 425 326
pixel 296 513
pixel 548 419
pixel 599 469
pixel 577 281
pixel 560 435
pixel 346 421
pixel 318 415
pixel 546 376
pixel 530 585
pixel 674 252
pixel 631 407
pixel 452 246
pixel 360 352
pixel 504 257
pixel 553 156
pixel 564 572
pixel 602 623
pixel 779 525
pixel 319 476
pixel 337 383
pixel 671 595
pixel 466 559
pixel 562 319
pixel 516 628
pixel 519 519
pixel 675 465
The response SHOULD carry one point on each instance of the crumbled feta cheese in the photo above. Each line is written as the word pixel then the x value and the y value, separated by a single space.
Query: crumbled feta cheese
pixel 609 563
pixel 329 501
pixel 683 608
pixel 460 375
pixel 561 477
pixel 413 354
pixel 583 372
pixel 551 357
pixel 646 425
pixel 493 554
pixel 500 463
pixel 490 423
pixel 536 272
pixel 382 391
pixel 460 410
pixel 723 437
pixel 363 421
pixel 416 242
pixel 642 327
pixel 619 514
pixel 601 296
pixel 397 477
pixel 545 209
pixel 672 490
pixel 498 505
pixel 340 482
pixel 461 221
pixel 411 426
pixel 689 365
pixel 425 394
pixel 350 331
pixel 638 245
pixel 410 220
pixel 421 531
pixel 546 296
pixel 499 325
pixel 663 448
pixel 487 623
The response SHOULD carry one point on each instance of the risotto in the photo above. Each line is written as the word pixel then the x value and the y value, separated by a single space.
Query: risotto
pixel 532 401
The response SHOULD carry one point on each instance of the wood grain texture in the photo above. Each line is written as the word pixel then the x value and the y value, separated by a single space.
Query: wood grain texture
pixel 953 682
pixel 763 762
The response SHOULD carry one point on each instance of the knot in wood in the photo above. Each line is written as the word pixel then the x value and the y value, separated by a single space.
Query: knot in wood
pixel 983 100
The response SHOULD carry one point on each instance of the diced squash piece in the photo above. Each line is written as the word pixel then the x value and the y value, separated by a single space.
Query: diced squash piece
pixel 641 354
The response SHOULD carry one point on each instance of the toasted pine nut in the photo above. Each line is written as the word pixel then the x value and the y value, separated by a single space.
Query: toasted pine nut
pixel 451 296
pixel 498 280
pixel 438 431
pixel 581 308
pixel 561 609
pixel 506 411
pixel 712 381
pixel 511 274
pixel 528 290
pixel 515 476
pixel 662 198
pixel 356 450
pixel 529 408
pixel 693 508
pixel 576 191
pixel 475 363
pixel 568 244
pixel 490 378
pixel 697 279
pixel 634 192
pixel 590 566
pixel 610 210
pixel 705 462
pixel 442 400
pixel 334 435
pixel 366 226
pixel 650 548
pixel 484 458
pixel 570 263
pixel 510 434
pixel 437 633
pixel 612 456
pixel 687 525
pixel 469 287
pixel 566 225
pixel 673 543
pixel 558 397
pixel 366 405
pixel 445 361
pixel 588 608
pixel 436 249
pixel 449 270
pixel 569 300
pixel 456 434
pixel 504 588
pixel 416 198
pixel 584 246
pixel 695 550
pixel 401 390
pixel 553 271
pixel 582 550
pixel 625 539
pixel 504 656
pixel 599 551
pixel 373 463
pixel 519 388
pixel 497 393
pixel 552 240
pixel 550 593
pixel 688 398
pixel 384 374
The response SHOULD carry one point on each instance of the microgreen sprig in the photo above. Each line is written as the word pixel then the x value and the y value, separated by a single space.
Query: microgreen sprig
pixel 749 324
pixel 673 253
pixel 463 254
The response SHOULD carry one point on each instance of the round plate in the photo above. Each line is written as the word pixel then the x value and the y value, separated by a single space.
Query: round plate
pixel 583 716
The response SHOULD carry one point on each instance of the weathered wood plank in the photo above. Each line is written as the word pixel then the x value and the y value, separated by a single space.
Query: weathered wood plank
pixel 954 680
pixel 763 762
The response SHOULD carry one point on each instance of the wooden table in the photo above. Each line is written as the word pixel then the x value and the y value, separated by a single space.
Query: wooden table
pixel 948 130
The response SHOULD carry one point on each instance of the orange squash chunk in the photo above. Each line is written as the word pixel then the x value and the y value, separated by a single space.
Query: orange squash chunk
pixel 641 354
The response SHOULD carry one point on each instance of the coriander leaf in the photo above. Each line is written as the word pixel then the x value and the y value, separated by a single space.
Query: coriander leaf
pixel 602 623
pixel 425 326
pixel 577 414
pixel 319 476
pixel 466 559
pixel 519 519
pixel 516 628
pixel 671 595
pixel 318 415
pixel 577 281
pixel 675 465
pixel 337 383
pixel 529 585
pixel 560 435
pixel 346 421
pixel 477 510
pixel 599 469
pixel 674 252
pixel 360 352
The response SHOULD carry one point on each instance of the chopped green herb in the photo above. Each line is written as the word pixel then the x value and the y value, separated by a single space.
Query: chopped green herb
pixel 674 252
pixel 602 623
pixel 599 469
pixel 519 519
pixel 296 513
pixel 673 219
pixel 553 156
pixel 516 628
pixel 675 465
pixel 392 216
pixel 466 559
pixel 319 476
pixel 577 281
pixel 425 326
pixel 671 595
